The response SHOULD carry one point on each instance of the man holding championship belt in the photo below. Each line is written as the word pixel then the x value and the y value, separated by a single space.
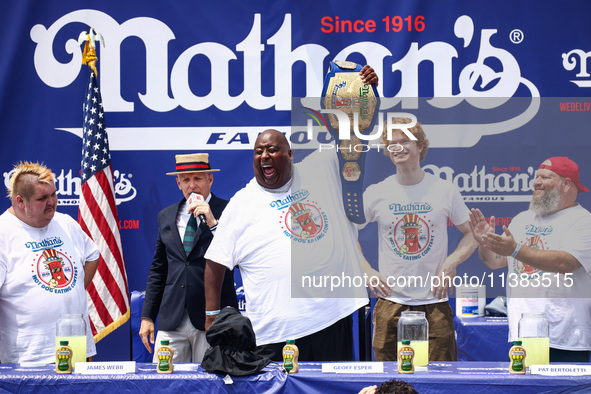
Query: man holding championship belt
pixel 288 223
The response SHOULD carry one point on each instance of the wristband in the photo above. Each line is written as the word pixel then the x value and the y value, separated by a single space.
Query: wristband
pixel 516 250
pixel 212 313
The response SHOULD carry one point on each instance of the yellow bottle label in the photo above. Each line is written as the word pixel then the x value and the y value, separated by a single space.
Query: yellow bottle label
pixel 406 356
pixel 288 356
pixel 63 357
pixel 164 359
pixel 517 355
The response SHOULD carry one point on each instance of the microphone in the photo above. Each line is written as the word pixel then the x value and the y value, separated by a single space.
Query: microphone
pixel 197 197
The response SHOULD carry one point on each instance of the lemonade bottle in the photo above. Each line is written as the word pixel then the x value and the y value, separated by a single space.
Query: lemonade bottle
pixel 413 326
pixel 534 335
pixel 72 328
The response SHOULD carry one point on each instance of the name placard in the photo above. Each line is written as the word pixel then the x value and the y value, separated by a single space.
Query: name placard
pixel 105 368
pixel 358 367
pixel 560 370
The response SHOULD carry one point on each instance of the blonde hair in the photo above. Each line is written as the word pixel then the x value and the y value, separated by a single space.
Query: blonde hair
pixel 416 130
pixel 24 178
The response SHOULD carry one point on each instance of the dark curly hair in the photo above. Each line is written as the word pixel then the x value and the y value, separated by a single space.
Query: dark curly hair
pixel 396 387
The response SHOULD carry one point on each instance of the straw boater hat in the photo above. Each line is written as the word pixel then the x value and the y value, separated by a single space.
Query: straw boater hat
pixel 194 162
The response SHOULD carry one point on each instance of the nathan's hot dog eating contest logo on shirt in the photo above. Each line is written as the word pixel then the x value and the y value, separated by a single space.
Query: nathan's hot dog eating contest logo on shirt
pixel 302 219
pixel 54 272
pixel 522 268
pixel 410 236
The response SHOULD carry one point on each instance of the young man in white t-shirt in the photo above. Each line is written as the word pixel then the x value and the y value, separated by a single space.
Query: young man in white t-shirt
pixel 412 209
pixel 548 253
pixel 46 263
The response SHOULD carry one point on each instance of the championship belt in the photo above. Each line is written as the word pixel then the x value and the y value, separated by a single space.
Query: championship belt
pixel 343 90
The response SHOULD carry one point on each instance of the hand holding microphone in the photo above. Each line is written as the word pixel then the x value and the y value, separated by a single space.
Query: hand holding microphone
pixel 197 197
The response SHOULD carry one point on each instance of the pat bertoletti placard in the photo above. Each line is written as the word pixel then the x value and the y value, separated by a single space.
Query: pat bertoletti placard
pixel 560 370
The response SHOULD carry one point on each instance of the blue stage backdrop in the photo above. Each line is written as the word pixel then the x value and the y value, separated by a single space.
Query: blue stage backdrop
pixel 499 86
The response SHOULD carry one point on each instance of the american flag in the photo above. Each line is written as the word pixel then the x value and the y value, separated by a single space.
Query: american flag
pixel 97 214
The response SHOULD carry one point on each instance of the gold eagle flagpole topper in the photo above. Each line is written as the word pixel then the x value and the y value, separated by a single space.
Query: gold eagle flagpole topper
pixel 89 52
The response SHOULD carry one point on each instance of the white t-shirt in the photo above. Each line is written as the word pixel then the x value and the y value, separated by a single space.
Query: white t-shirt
pixel 41 277
pixel 564 298
pixel 263 232
pixel 412 226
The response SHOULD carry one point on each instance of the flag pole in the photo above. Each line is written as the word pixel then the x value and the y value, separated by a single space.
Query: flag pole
pixel 108 294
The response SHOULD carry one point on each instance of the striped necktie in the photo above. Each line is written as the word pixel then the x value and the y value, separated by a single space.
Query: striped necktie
pixel 189 237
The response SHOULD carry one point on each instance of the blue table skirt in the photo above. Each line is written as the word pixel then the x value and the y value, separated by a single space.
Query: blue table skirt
pixel 482 338
pixel 465 377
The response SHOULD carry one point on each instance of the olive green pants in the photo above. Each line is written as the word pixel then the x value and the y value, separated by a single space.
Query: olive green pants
pixel 442 340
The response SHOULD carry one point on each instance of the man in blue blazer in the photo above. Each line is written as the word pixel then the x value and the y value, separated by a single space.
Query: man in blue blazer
pixel 175 288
